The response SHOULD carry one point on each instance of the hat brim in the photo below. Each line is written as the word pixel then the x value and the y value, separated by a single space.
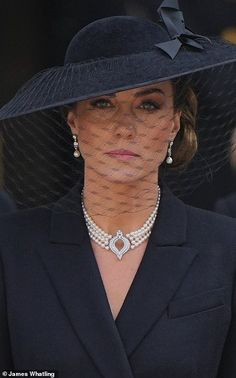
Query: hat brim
pixel 59 86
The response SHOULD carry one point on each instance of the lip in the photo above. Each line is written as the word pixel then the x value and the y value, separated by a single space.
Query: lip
pixel 122 153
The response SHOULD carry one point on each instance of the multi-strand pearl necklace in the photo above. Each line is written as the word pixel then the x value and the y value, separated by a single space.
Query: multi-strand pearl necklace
pixel 130 240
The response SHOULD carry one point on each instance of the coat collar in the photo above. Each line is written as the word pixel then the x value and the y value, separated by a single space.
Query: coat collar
pixel 167 230
pixel 74 272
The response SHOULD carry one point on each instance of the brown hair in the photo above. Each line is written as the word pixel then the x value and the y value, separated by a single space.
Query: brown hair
pixel 185 144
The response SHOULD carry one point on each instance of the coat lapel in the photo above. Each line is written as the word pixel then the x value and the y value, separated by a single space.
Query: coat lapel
pixel 73 271
pixel 75 275
pixel 163 268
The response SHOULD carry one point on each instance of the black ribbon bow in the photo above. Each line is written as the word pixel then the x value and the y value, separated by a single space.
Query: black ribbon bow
pixel 173 20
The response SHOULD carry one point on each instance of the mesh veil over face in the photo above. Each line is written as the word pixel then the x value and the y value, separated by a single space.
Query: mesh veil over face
pixel 38 166
pixel 118 92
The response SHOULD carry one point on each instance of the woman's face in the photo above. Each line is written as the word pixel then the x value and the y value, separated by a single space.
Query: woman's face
pixel 141 121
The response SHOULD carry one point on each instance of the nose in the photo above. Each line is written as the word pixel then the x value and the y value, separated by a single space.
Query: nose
pixel 124 126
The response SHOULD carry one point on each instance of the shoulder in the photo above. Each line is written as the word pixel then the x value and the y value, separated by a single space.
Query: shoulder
pixel 24 224
pixel 209 219
pixel 208 216
pixel 211 227
pixel 200 226
pixel 196 220
pixel 227 205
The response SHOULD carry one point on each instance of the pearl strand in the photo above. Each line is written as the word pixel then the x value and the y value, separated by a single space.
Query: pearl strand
pixel 135 238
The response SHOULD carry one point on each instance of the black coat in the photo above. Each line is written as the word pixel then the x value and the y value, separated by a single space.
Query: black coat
pixel 178 319
pixel 6 203
pixel 227 205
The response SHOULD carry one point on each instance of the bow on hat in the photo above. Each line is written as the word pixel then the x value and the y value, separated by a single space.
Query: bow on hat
pixel 173 20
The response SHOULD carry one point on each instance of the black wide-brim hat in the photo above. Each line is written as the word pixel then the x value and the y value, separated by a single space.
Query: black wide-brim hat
pixel 110 55
pixel 118 53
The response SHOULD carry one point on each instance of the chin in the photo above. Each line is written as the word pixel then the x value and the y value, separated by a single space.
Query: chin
pixel 121 176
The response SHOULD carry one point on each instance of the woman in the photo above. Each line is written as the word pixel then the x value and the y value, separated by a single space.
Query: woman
pixel 119 278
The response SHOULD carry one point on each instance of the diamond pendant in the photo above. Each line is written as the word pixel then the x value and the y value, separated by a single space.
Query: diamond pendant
pixel 112 244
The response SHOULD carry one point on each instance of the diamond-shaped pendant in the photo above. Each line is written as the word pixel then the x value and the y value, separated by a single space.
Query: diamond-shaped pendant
pixel 112 244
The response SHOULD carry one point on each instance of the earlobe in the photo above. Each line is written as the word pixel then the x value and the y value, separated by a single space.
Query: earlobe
pixel 176 125
pixel 71 121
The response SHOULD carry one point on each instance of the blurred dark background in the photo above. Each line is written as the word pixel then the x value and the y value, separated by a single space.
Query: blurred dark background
pixel 35 34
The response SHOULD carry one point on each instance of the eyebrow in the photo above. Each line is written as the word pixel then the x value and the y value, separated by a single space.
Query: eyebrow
pixel 149 91
pixel 142 93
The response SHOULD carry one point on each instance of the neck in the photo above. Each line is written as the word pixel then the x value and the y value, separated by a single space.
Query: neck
pixel 116 205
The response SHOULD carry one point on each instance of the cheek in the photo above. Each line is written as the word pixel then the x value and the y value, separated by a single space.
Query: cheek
pixel 92 140
pixel 157 136
pixel 89 134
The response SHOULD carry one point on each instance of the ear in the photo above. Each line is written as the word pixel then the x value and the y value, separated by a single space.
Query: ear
pixel 175 125
pixel 72 121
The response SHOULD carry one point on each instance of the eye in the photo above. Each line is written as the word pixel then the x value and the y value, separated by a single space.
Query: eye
pixel 101 103
pixel 150 106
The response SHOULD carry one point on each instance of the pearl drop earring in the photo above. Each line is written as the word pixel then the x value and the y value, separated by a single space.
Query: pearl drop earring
pixel 76 145
pixel 169 159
